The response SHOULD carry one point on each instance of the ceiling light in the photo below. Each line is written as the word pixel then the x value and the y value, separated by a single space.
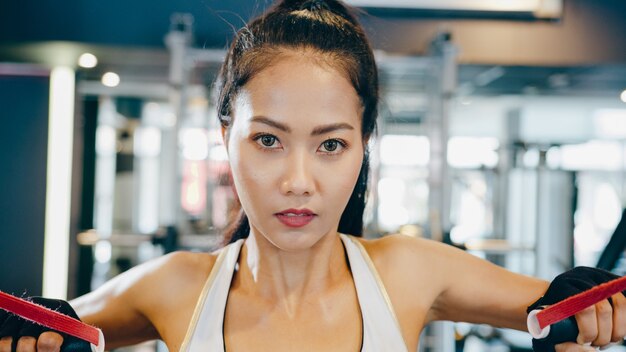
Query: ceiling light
pixel 623 96
pixel 87 60
pixel 537 8
pixel 111 79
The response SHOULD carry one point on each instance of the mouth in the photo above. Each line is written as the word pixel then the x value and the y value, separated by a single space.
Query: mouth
pixel 295 217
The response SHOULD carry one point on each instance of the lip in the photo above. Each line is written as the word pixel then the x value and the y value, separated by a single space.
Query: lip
pixel 300 217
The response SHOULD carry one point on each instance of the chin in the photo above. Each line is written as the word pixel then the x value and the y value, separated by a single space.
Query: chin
pixel 295 239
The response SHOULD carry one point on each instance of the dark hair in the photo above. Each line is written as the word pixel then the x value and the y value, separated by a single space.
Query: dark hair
pixel 331 32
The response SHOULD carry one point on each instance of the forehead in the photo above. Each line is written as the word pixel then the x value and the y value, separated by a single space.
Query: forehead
pixel 297 89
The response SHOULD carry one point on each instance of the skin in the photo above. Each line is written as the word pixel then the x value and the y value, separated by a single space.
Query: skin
pixel 293 289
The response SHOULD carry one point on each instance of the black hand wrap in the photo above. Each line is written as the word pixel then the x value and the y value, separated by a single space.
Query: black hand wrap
pixel 16 327
pixel 563 286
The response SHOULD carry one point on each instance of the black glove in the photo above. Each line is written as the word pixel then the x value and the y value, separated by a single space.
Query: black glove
pixel 563 286
pixel 16 327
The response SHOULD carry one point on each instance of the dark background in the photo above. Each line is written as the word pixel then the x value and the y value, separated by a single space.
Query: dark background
pixel 24 136
pixel 589 32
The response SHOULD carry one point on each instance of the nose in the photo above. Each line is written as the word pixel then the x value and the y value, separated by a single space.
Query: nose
pixel 298 178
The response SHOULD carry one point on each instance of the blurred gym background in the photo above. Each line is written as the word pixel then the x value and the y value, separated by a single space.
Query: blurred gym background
pixel 502 131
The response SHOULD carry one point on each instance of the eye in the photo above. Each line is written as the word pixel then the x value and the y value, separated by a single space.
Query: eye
pixel 267 141
pixel 331 146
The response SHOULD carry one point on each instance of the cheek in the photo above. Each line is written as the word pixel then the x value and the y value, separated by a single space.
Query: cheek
pixel 344 178
pixel 251 176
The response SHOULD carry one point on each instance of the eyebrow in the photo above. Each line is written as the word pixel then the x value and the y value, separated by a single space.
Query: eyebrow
pixel 316 131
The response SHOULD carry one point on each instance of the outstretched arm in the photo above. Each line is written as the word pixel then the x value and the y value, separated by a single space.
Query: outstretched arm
pixel 454 285
pixel 478 291
pixel 118 306
pixel 428 281
pixel 153 300
pixel 473 290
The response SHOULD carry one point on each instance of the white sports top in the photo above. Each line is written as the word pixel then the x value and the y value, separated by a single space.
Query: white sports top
pixel 381 330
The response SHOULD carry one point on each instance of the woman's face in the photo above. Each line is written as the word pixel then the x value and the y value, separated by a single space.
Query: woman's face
pixel 295 150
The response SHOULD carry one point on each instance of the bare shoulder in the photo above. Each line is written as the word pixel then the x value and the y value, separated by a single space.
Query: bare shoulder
pixel 170 276
pixel 429 264
pixel 438 282
pixel 169 292
pixel 399 251
pixel 184 265
pixel 408 268
pixel 156 283
pixel 424 262
pixel 153 300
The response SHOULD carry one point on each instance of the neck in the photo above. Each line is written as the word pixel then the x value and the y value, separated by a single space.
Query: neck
pixel 289 277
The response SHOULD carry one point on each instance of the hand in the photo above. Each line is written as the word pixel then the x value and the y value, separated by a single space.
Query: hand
pixel 599 325
pixel 17 334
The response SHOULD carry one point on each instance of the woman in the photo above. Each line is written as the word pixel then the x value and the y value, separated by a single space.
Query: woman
pixel 298 96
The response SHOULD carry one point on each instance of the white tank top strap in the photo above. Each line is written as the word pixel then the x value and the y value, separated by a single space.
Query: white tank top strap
pixel 205 331
pixel 381 329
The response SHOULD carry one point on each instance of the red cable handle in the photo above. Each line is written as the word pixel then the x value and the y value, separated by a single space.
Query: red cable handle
pixel 63 323
pixel 49 318
pixel 579 302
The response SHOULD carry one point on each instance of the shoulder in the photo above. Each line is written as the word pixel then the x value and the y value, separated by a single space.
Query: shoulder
pixel 169 288
pixel 414 271
pixel 144 301
pixel 412 275
pixel 400 251
pixel 182 266
pixel 186 264
pixel 430 264
pixel 438 282
pixel 407 264
pixel 169 280
pixel 176 267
